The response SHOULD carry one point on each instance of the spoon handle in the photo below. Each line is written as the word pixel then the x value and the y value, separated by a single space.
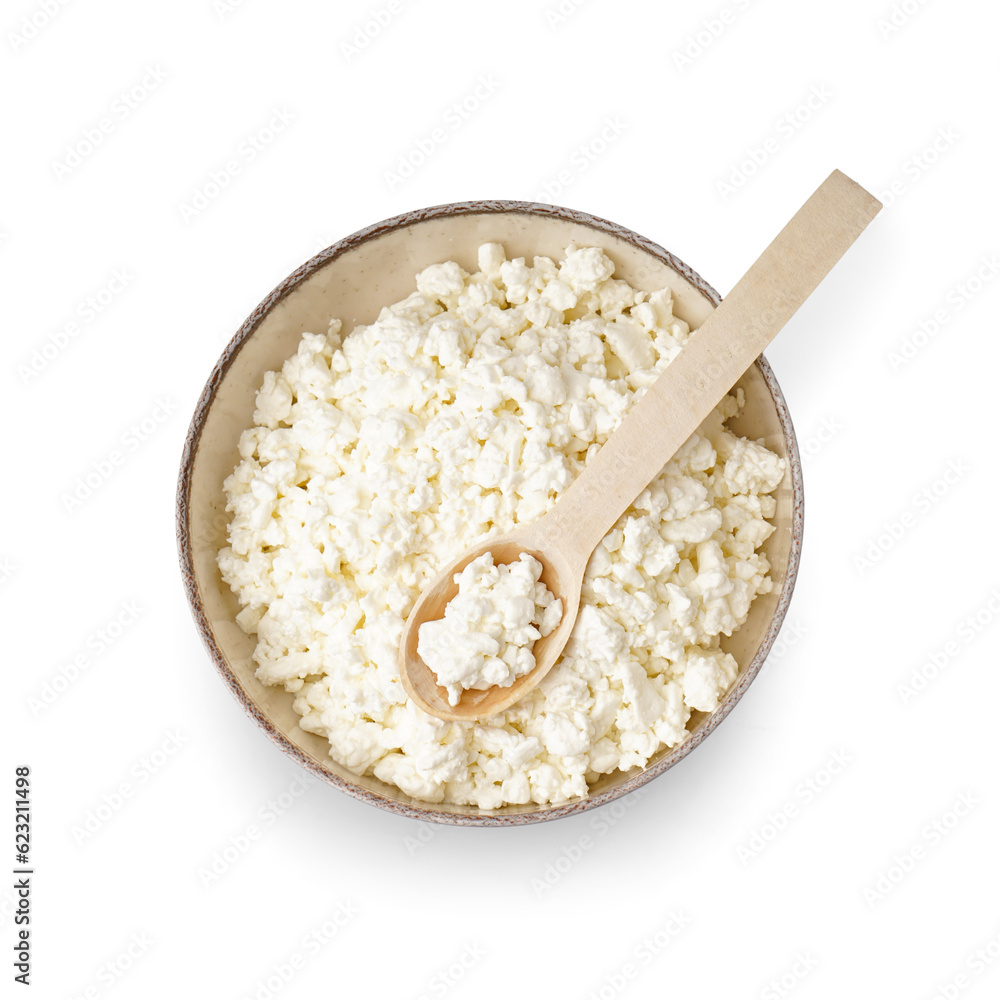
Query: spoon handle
pixel 712 361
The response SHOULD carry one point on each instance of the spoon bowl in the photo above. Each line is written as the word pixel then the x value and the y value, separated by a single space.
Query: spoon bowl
pixel 354 279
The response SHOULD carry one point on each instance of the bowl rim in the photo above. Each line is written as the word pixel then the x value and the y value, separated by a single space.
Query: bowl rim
pixel 429 811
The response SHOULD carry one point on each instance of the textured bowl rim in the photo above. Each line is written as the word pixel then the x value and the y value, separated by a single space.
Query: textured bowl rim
pixel 429 812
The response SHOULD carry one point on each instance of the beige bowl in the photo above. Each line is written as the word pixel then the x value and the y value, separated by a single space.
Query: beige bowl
pixel 352 280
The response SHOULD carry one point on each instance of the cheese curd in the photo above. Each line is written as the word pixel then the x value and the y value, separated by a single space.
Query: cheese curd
pixel 485 637
pixel 463 410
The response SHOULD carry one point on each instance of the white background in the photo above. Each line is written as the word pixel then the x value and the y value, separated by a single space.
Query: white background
pixel 893 444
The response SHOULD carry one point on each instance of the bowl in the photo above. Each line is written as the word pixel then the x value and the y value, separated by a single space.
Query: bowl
pixel 352 280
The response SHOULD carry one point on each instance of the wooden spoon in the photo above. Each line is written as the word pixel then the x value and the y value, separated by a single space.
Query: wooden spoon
pixel 667 414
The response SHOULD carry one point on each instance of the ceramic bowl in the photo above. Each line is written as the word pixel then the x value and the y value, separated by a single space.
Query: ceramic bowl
pixel 352 280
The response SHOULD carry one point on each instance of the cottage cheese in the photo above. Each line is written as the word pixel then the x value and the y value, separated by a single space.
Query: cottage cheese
pixel 463 410
pixel 489 626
